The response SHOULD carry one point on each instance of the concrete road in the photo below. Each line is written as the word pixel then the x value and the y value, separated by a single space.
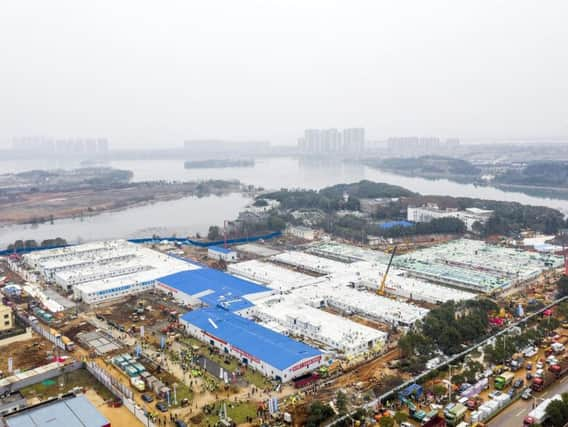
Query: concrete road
pixel 513 416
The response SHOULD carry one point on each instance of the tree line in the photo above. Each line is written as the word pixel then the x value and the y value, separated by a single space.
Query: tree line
pixel 32 244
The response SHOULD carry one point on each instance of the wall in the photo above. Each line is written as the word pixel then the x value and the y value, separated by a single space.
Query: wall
pixel 17 338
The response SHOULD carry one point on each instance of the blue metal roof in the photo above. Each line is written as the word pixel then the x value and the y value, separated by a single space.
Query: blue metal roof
pixel 72 412
pixel 391 224
pixel 214 287
pixel 220 249
pixel 271 347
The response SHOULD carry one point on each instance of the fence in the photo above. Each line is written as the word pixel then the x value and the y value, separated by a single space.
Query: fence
pixel 45 333
pixel 180 240
pixel 37 375
pixel 120 390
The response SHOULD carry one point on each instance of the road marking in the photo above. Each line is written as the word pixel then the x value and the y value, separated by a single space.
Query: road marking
pixel 563 380
pixel 544 394
pixel 520 412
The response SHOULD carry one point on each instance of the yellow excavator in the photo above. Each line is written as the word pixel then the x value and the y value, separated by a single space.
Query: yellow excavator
pixel 381 288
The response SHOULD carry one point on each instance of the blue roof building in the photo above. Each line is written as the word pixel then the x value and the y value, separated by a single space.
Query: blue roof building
pixel 273 354
pixel 390 224
pixel 213 287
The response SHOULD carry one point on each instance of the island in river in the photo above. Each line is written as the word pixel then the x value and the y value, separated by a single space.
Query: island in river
pixel 218 163
pixel 43 196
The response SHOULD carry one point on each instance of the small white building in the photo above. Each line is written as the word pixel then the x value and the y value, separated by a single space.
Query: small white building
pixel 304 233
pixel 431 211
pixel 219 253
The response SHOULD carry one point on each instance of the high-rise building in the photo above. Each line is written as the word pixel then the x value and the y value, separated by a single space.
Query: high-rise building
pixel 31 146
pixel 332 141
pixel 354 140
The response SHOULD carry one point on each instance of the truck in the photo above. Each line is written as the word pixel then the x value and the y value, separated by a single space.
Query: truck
pixel 69 345
pixel 517 363
pixel 454 413
pixel 540 383
pixel 138 383
pixel 436 421
pixel 538 415
pixel 306 380
pixel 503 380
pixel 560 368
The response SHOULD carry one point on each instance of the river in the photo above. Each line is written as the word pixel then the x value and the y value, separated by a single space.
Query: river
pixel 191 215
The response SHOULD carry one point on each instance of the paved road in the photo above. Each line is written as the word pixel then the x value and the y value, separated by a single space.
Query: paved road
pixel 514 415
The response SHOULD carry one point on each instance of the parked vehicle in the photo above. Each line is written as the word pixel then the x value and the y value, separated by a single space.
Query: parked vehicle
pixel 454 414
pixel 147 398
pixel 162 406
pixel 495 394
pixel 540 383
pixel 527 394
pixel 503 380
pixel 306 380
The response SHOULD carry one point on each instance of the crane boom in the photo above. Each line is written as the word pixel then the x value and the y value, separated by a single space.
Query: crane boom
pixel 381 290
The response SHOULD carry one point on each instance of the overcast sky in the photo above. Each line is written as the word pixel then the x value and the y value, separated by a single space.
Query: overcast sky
pixel 158 72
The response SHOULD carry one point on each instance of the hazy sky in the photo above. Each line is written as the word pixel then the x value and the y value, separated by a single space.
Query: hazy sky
pixel 158 72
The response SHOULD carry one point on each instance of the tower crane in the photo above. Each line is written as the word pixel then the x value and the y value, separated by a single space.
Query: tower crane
pixel 381 288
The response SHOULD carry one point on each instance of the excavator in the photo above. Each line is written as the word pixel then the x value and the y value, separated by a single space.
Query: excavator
pixel 381 288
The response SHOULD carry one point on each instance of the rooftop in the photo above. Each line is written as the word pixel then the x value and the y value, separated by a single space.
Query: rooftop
pixel 275 349
pixel 220 249
pixel 271 275
pixel 330 329
pixel 214 287
pixel 70 412
pixel 309 262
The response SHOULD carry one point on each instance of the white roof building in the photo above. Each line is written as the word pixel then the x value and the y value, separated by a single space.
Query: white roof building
pixel 309 262
pixel 290 315
pixel 104 270
pixel 347 299
pixel 273 276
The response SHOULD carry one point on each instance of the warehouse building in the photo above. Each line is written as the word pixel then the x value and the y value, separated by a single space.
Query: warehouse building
pixel 291 316
pixel 70 411
pixel 308 262
pixel 101 271
pixel 211 287
pixel 476 265
pixel 348 253
pixel 255 250
pixel 274 355
pixel 271 275
pixel 337 295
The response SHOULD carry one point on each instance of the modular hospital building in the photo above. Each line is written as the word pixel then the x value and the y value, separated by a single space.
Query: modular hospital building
pixel 274 355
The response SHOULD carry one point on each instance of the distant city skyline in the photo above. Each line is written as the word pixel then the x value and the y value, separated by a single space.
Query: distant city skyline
pixel 144 75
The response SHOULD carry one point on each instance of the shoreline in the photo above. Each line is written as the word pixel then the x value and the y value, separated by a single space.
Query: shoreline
pixel 85 213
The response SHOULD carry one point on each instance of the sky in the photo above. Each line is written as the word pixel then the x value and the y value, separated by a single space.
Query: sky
pixel 153 73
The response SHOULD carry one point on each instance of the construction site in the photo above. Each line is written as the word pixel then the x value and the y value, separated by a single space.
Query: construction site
pixel 325 313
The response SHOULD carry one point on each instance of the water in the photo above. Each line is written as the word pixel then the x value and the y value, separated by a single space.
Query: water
pixel 183 217
pixel 191 215
pixel 285 172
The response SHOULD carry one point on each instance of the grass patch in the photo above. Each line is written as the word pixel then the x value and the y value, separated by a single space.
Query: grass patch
pixel 252 376
pixel 65 383
pixel 238 412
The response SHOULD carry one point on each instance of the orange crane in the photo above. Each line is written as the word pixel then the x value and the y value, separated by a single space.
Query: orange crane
pixel 381 288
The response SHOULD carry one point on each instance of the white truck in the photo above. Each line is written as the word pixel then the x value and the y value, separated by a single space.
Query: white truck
pixel 538 414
